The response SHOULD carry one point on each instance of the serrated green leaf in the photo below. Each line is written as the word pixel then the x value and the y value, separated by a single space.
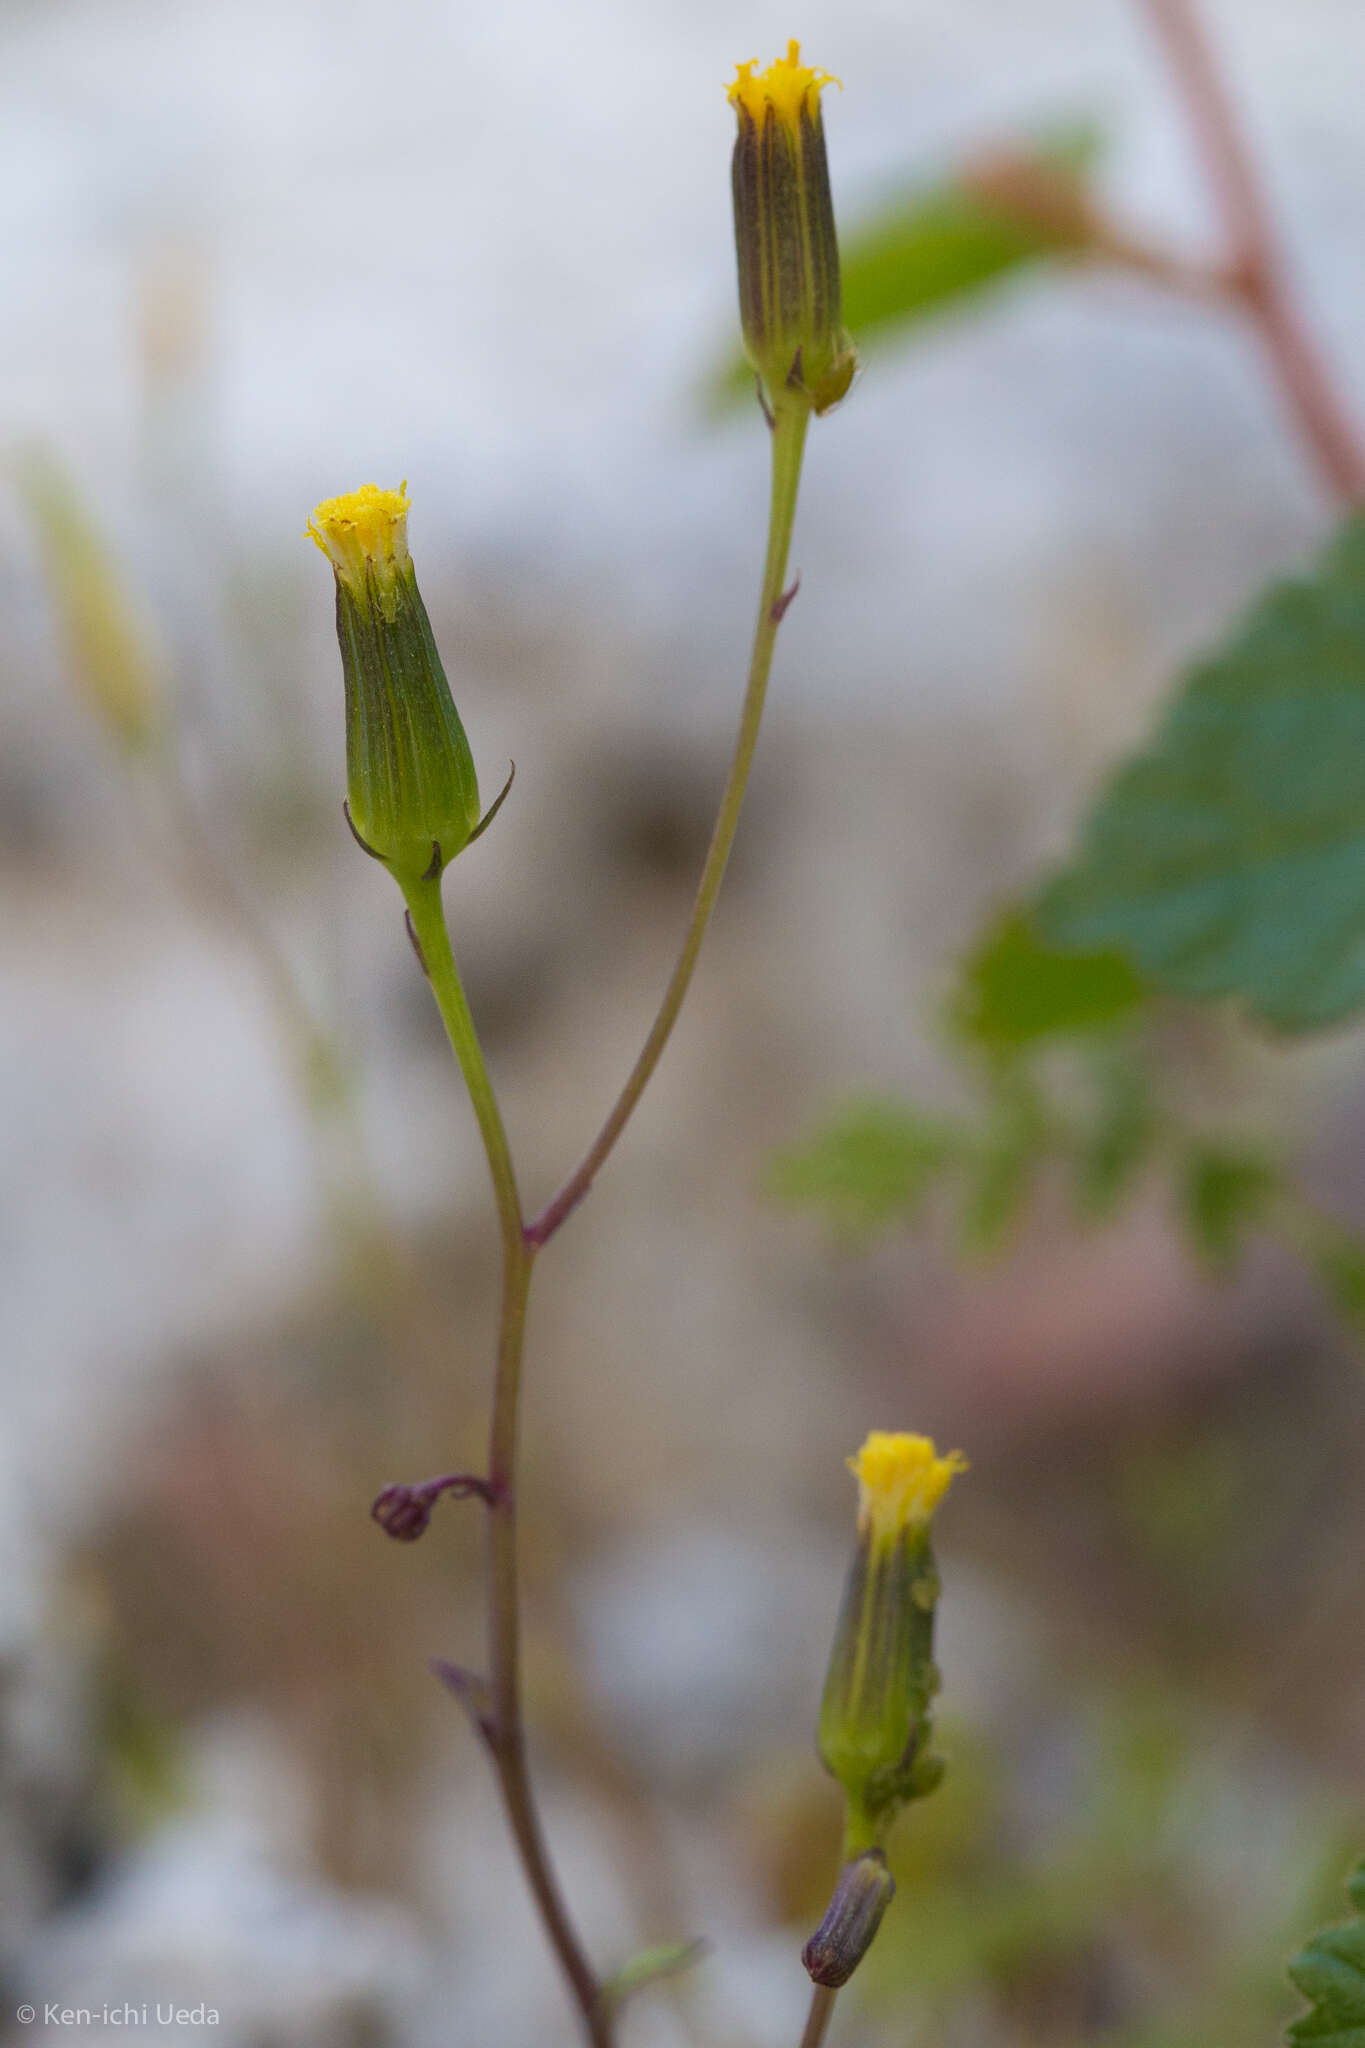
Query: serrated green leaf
pixel 932 247
pixel 1017 989
pixel 1228 858
pixel 1223 1193
pixel 874 1162
pixel 1330 1973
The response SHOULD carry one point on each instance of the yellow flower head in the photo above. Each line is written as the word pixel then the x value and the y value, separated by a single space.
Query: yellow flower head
pixel 788 86
pixel 901 1480
pixel 365 532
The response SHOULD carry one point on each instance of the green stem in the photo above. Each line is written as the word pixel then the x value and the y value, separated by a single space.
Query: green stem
pixel 788 444
pixel 428 926
pixel 521 1241
pixel 507 1739
pixel 818 2018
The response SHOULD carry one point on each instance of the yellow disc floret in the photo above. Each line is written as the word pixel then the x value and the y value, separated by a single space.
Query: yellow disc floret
pixel 901 1480
pixel 787 86
pixel 364 531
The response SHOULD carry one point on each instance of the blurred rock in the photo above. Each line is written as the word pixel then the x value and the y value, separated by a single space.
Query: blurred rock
pixel 51 1837
pixel 205 1915
pixel 698 1639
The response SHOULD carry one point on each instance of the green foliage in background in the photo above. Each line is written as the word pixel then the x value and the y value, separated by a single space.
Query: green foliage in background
pixel 873 1164
pixel 142 1750
pixel 1020 1939
pixel 1016 990
pixel 1066 1081
pixel 930 248
pixel 1228 858
pixel 652 1966
pixel 1016 1001
pixel 1223 1193
pixel 1330 1973
pixel 1225 860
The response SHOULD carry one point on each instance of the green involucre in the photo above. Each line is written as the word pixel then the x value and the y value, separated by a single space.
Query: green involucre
pixel 790 303
pixel 413 795
pixel 875 1718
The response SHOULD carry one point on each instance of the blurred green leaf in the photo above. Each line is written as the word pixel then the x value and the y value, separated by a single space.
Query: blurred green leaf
pixel 665 1959
pixel 1339 1262
pixel 142 1748
pixel 1186 1499
pixel 875 1161
pixel 110 648
pixel 1330 1973
pixel 1016 988
pixel 1118 1143
pixel 1013 1146
pixel 930 247
pixel 1228 858
pixel 1223 1193
pixel 962 1937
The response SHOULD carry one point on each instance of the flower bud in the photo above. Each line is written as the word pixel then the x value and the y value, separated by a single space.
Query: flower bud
pixel 852 1917
pixel 790 305
pixel 404 1512
pixel 875 1718
pixel 412 795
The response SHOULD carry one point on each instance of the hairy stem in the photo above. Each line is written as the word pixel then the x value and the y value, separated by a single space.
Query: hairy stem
pixel 788 444
pixel 1255 264
pixel 818 2018
pixel 506 1735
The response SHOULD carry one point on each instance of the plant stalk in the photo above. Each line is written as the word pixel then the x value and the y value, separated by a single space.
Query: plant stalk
pixel 1256 265
pixel 507 1737
pixel 790 421
pixel 819 2016
pixel 521 1241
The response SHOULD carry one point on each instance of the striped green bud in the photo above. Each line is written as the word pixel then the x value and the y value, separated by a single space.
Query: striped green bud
pixel 790 304
pixel 412 794
pixel 876 1715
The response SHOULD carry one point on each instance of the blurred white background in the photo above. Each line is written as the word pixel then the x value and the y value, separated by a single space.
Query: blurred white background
pixel 256 254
